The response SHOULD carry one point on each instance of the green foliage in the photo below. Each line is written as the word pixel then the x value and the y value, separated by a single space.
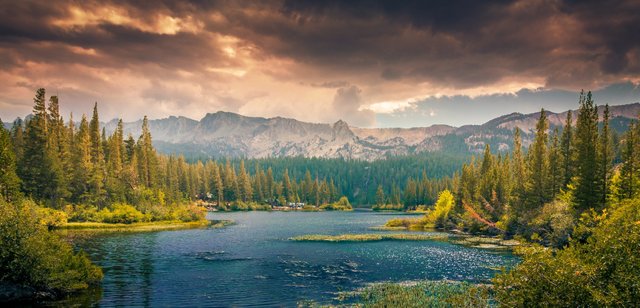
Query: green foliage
pixel 424 294
pixel 599 271
pixel 341 205
pixel 553 225
pixel 122 213
pixel 439 216
pixel 51 218
pixel 388 207
pixel 34 257
pixel 9 181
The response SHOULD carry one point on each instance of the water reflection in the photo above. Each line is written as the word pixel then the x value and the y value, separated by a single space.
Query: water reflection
pixel 253 263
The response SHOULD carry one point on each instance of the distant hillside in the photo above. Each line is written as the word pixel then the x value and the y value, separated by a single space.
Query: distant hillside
pixel 223 134
pixel 226 134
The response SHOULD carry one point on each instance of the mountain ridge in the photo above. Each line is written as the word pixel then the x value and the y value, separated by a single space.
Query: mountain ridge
pixel 230 134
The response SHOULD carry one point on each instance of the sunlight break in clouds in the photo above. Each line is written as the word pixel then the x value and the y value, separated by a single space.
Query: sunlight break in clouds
pixel 316 61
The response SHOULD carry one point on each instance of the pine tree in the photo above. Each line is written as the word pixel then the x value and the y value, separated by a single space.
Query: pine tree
pixel 380 198
pixel 246 193
pixel 587 194
pixel 566 151
pixel 35 166
pixel 147 160
pixel 9 181
pixel 17 136
pixel 519 170
pixel 98 171
pixel 287 190
pixel 82 163
pixel 605 157
pixel 556 176
pixel 537 187
pixel 629 169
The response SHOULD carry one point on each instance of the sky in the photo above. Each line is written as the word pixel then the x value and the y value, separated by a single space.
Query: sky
pixel 370 63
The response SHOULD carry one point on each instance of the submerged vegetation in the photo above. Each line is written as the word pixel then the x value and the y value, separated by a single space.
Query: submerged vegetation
pixel 368 237
pixel 422 294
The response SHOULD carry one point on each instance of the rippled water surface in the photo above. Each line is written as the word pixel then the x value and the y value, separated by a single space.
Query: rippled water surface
pixel 252 263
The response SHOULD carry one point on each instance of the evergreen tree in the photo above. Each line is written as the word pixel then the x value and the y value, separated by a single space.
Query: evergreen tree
pixel 537 187
pixel 380 198
pixel 17 136
pixel 9 181
pixel 98 171
pixel 246 192
pixel 82 163
pixel 556 176
pixel 35 168
pixel 519 170
pixel 567 149
pixel 629 170
pixel 587 194
pixel 605 157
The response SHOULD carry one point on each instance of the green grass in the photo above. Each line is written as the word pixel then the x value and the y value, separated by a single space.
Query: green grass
pixel 385 228
pixel 421 294
pixel 368 237
pixel 486 242
pixel 142 226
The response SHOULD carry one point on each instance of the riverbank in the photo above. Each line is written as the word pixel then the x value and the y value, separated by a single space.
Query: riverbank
pixel 141 226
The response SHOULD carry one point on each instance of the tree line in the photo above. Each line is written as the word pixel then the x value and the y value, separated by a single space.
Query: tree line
pixel 57 163
pixel 565 173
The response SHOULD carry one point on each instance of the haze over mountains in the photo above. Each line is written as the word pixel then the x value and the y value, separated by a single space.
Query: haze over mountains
pixel 226 134
pixel 229 134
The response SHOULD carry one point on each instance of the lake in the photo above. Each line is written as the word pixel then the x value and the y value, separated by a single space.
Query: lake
pixel 252 263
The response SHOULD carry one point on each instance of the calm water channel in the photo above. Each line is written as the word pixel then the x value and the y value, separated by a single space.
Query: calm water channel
pixel 252 263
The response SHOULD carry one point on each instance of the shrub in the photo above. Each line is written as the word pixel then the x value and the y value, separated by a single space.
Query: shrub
pixel 51 218
pixel 190 213
pixel 440 213
pixel 601 270
pixel 34 257
pixel 122 213
pixel 81 213
pixel 341 205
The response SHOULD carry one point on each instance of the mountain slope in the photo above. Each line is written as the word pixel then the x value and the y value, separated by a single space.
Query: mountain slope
pixel 223 134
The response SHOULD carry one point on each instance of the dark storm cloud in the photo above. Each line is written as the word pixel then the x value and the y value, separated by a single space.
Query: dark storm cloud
pixel 460 43
pixel 223 52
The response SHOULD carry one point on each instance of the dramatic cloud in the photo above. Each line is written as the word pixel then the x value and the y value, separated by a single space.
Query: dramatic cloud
pixel 313 60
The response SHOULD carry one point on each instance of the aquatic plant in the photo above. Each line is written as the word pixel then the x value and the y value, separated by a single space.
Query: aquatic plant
pixel 367 237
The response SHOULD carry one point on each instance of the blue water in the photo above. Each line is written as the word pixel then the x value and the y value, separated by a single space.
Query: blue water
pixel 252 263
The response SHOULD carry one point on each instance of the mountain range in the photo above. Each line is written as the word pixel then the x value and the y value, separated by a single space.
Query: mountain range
pixel 226 134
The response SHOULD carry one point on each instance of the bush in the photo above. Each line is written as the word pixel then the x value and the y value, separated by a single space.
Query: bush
pixel 81 213
pixel 388 207
pixel 601 270
pixel 51 218
pixel 32 256
pixel 554 224
pixel 439 216
pixel 190 213
pixel 341 205
pixel 122 213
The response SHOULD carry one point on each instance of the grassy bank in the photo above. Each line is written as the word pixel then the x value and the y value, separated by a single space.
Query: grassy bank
pixel 368 237
pixel 141 226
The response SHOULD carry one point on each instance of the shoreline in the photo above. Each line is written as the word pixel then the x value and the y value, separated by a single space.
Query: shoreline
pixel 141 226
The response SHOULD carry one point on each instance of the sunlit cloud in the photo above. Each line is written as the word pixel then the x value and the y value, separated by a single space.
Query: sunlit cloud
pixel 316 61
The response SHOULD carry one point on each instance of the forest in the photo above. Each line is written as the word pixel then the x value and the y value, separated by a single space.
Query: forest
pixel 564 196
pixel 60 163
